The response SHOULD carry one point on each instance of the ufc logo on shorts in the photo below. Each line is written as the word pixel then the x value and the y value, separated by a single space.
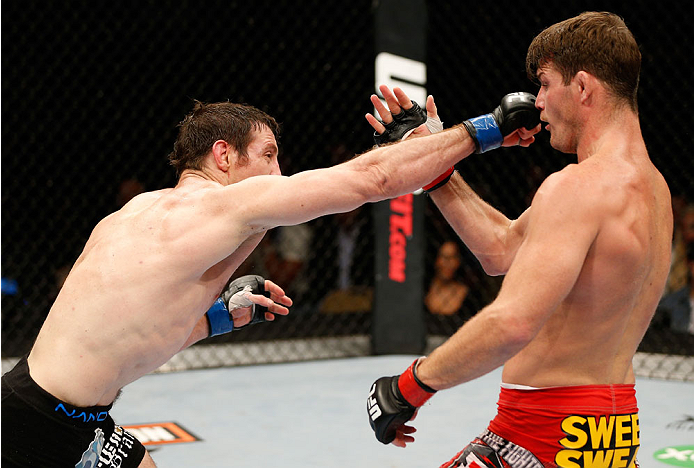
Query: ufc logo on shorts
pixel 372 405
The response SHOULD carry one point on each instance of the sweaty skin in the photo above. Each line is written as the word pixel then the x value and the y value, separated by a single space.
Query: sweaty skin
pixel 139 290
pixel 126 306
pixel 585 264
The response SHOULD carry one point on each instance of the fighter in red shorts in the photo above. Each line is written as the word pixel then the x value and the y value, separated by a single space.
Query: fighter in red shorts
pixel 584 266
pixel 582 425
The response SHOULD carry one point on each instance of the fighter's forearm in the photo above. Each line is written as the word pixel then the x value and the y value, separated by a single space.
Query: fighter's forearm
pixel 408 165
pixel 483 344
pixel 485 230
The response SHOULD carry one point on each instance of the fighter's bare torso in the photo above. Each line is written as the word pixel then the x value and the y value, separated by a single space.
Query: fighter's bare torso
pixel 596 329
pixel 107 328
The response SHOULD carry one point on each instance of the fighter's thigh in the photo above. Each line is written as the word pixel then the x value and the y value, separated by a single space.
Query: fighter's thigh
pixel 147 462
pixel 479 455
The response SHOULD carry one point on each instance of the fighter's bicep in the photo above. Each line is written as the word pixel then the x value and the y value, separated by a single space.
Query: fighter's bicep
pixel 270 201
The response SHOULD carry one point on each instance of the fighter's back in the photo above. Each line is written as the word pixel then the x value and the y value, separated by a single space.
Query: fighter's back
pixel 131 299
pixel 593 334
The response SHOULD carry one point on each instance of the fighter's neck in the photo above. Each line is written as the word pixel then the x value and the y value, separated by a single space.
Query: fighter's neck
pixel 618 135
pixel 194 176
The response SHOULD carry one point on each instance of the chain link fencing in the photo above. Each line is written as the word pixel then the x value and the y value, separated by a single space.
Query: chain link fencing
pixel 92 92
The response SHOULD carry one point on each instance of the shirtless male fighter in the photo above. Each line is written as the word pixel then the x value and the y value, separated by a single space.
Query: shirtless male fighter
pixel 585 266
pixel 139 291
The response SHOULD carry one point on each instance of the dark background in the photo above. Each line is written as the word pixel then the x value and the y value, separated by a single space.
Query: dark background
pixel 92 92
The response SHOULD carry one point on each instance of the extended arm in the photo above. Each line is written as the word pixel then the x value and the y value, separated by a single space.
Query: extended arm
pixel 382 173
pixel 490 235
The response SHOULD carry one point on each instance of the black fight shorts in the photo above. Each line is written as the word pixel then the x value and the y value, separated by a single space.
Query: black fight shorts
pixel 38 430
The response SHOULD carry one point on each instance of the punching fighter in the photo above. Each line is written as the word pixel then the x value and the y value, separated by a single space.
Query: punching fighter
pixel 140 290
pixel 585 266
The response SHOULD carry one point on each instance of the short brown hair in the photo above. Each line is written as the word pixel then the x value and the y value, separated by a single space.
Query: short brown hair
pixel 207 123
pixel 596 42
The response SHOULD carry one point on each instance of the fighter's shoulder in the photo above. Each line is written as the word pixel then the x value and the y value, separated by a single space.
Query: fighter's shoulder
pixel 573 184
pixel 567 198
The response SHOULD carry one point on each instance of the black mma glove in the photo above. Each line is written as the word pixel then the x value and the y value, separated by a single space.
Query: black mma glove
pixel 234 297
pixel 393 400
pixel 403 122
pixel 402 125
pixel 515 111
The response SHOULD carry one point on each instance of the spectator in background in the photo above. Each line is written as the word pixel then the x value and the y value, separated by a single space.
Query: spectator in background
pixel 676 308
pixel 347 246
pixel 683 235
pixel 282 255
pixel 446 292
pixel 59 277
pixel 347 235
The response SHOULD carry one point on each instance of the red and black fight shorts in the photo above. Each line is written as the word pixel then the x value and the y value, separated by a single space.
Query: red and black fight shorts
pixel 564 427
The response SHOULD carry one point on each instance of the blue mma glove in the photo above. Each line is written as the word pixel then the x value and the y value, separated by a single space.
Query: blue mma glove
pixel 515 111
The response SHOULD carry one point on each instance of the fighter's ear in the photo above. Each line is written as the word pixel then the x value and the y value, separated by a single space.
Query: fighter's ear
pixel 223 154
pixel 586 85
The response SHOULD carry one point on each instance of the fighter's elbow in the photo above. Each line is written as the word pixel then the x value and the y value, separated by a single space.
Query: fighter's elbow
pixel 494 265
pixel 380 184
pixel 515 332
pixel 492 268
pixel 500 249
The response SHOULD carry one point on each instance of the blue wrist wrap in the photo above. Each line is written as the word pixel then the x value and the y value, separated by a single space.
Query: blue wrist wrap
pixel 487 134
pixel 219 318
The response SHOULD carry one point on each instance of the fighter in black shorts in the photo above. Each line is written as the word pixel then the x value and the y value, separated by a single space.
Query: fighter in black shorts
pixel 41 430
pixel 51 433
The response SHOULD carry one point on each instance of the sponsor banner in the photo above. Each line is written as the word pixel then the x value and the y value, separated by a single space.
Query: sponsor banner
pixel 678 455
pixel 161 433
pixel 398 318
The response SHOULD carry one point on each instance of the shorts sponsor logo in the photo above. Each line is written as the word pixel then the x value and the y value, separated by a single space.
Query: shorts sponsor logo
pixel 162 433
pixel 90 457
pixel 510 453
pixel 117 449
pixel 85 416
pixel 678 455
pixel 599 441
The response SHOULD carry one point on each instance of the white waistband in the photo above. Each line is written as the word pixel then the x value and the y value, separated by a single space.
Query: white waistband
pixel 510 386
